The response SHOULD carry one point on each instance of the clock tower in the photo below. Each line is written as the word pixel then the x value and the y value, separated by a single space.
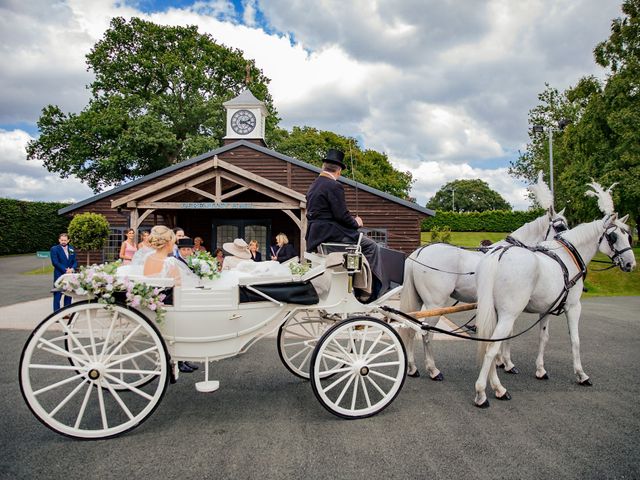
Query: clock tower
pixel 245 118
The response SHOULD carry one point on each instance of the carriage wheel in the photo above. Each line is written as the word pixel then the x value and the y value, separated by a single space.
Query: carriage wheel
pixel 297 337
pixel 374 368
pixel 80 379
pixel 85 321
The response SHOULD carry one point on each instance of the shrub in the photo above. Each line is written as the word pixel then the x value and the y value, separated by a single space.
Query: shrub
pixel 440 234
pixel 488 221
pixel 89 231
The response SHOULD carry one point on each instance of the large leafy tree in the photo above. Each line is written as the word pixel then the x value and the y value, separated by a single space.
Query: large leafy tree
pixel 467 196
pixel 369 166
pixel 156 100
pixel 603 139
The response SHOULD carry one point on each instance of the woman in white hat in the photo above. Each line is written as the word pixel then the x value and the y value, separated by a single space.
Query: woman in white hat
pixel 238 251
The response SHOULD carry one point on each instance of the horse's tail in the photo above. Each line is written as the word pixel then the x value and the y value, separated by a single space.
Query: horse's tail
pixel 486 317
pixel 410 300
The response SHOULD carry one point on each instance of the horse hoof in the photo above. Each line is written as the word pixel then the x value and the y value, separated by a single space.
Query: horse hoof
pixel 543 377
pixel 506 396
pixel 586 383
pixel 415 374
pixel 438 378
pixel 484 404
pixel 513 371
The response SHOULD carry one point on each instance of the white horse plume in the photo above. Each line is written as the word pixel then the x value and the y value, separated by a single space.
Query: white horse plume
pixel 605 201
pixel 542 192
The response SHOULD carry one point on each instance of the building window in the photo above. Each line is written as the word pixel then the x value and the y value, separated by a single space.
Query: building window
pixel 111 250
pixel 378 235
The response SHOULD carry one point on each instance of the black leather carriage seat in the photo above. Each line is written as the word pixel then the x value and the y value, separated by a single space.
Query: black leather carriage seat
pixel 299 293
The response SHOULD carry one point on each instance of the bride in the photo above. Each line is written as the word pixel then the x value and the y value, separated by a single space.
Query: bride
pixel 161 263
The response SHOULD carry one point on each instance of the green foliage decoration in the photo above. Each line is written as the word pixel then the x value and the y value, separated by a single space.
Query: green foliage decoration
pixel 88 231
pixel 27 227
pixel 441 234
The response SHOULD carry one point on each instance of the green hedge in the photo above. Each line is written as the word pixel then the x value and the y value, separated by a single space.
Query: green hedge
pixel 26 227
pixel 489 221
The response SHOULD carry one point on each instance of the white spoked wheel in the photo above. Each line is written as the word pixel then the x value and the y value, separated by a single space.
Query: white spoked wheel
pixel 297 338
pixel 90 372
pixel 373 372
pixel 134 366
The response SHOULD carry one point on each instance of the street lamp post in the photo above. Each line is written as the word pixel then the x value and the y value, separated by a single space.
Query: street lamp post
pixel 540 129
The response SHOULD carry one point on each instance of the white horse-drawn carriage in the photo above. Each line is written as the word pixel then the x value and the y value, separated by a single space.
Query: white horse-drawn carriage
pixel 93 370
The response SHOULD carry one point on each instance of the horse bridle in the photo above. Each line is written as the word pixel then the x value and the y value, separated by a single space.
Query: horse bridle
pixel 558 224
pixel 612 237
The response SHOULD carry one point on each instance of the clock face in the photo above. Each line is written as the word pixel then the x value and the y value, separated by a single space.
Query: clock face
pixel 243 122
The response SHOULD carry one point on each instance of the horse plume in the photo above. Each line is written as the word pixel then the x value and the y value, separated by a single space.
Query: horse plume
pixel 605 201
pixel 542 192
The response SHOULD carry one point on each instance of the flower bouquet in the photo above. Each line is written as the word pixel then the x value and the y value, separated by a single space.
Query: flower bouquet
pixel 101 283
pixel 298 268
pixel 204 265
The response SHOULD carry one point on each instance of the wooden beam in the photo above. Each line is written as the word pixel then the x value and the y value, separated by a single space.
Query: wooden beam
pixel 260 180
pixel 219 205
pixel 436 312
pixel 303 231
pixel 154 187
pixel 233 193
pixel 183 186
pixel 144 216
pixel 203 193
pixel 255 186
pixel 133 219
pixel 218 190
pixel 293 217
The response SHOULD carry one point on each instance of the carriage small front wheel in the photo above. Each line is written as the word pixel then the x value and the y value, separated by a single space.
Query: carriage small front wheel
pixel 83 378
pixel 373 372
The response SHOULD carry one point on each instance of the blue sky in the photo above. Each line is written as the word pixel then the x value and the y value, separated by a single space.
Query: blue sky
pixel 442 87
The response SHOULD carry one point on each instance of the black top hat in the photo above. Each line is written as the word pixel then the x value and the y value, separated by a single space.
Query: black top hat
pixel 335 156
pixel 185 242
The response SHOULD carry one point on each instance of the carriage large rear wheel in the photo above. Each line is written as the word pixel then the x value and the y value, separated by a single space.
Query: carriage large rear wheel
pixel 297 338
pixel 100 375
pixel 373 372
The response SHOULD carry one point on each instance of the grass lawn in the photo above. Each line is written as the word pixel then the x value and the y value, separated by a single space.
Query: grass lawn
pixel 611 282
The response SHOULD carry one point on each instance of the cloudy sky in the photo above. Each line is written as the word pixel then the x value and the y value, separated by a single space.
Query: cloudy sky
pixel 442 86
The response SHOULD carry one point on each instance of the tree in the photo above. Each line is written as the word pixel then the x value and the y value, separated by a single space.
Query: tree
pixel 156 100
pixel 603 140
pixel 372 168
pixel 89 231
pixel 470 196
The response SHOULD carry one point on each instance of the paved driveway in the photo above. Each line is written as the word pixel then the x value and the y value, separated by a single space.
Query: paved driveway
pixel 16 287
pixel 265 423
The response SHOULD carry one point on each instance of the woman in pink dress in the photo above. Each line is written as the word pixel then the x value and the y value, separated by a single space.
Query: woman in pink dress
pixel 128 248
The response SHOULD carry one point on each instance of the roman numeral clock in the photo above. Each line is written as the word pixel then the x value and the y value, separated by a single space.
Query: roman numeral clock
pixel 245 117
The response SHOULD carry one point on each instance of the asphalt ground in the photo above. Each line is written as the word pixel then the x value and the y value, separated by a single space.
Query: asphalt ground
pixel 15 287
pixel 265 423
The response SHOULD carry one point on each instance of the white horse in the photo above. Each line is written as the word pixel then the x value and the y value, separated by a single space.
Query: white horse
pixel 517 279
pixel 438 272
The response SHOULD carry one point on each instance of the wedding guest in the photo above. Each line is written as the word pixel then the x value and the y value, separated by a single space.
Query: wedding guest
pixel 144 240
pixel 179 233
pixel 63 259
pixel 198 247
pixel 185 249
pixel 219 255
pixel 128 248
pixel 284 250
pixel 256 256
pixel 238 251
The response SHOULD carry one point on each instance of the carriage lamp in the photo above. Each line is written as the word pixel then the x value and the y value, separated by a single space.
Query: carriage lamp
pixel 354 262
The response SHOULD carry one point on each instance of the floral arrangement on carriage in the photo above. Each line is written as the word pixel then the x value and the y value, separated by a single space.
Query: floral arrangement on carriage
pixel 101 282
pixel 204 265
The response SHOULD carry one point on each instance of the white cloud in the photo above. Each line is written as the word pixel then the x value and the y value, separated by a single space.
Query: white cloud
pixel 440 87
pixel 29 180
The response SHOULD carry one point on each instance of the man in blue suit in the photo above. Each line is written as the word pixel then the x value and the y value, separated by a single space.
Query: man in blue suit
pixel 63 259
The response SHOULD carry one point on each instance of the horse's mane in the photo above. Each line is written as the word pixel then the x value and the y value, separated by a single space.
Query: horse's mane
pixel 605 202
pixel 541 192
pixel 583 233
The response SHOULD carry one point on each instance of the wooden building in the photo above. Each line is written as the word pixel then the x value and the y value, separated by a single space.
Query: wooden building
pixel 243 190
